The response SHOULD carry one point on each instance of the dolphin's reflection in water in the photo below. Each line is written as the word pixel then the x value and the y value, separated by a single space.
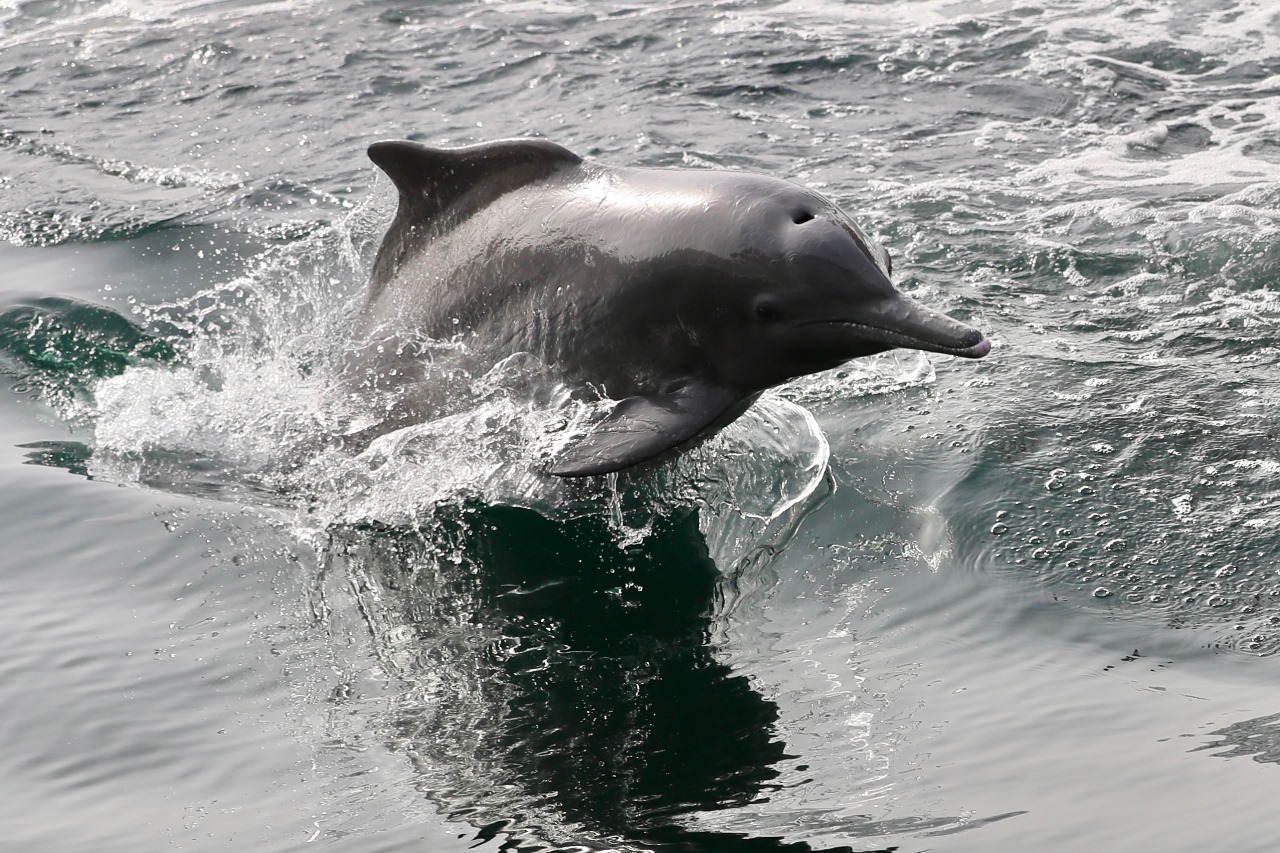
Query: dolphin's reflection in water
pixel 548 672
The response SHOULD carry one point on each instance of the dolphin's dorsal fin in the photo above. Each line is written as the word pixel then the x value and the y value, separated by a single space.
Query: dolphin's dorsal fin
pixel 454 181
pixel 641 428
pixel 433 180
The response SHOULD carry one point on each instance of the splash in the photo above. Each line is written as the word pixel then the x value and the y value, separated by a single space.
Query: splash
pixel 252 396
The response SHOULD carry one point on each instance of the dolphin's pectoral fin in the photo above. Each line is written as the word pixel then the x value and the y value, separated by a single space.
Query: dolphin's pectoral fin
pixel 640 428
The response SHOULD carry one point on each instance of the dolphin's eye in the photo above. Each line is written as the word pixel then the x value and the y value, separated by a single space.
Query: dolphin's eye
pixel 768 312
pixel 800 217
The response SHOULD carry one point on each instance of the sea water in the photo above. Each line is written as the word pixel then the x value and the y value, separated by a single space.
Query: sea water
pixel 1026 603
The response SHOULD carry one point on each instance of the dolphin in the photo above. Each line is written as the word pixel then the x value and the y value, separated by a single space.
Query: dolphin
pixel 681 294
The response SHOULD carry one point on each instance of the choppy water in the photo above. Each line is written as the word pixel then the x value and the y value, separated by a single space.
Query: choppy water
pixel 1026 603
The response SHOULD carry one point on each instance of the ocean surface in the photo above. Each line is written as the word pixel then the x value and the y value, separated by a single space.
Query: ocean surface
pixel 917 604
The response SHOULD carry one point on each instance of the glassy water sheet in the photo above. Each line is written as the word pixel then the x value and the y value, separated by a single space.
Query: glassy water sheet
pixel 164 682
pixel 532 679
pixel 916 677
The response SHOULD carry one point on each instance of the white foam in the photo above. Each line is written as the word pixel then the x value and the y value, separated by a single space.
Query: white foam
pixel 255 394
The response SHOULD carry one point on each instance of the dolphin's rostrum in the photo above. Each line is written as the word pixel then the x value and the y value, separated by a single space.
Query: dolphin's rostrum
pixel 682 294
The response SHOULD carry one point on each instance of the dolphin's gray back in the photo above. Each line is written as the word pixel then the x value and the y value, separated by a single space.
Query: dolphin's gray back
pixel 521 246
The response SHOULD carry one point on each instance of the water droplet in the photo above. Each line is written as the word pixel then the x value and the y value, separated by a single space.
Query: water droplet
pixel 999 528
pixel 1102 592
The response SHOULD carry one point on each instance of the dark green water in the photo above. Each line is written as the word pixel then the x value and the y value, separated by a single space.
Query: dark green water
pixel 1027 603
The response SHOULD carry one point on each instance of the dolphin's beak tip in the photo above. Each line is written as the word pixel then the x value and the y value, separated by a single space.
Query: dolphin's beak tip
pixel 980 349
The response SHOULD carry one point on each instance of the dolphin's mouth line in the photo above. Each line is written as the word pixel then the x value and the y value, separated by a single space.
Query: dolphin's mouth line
pixel 897 338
